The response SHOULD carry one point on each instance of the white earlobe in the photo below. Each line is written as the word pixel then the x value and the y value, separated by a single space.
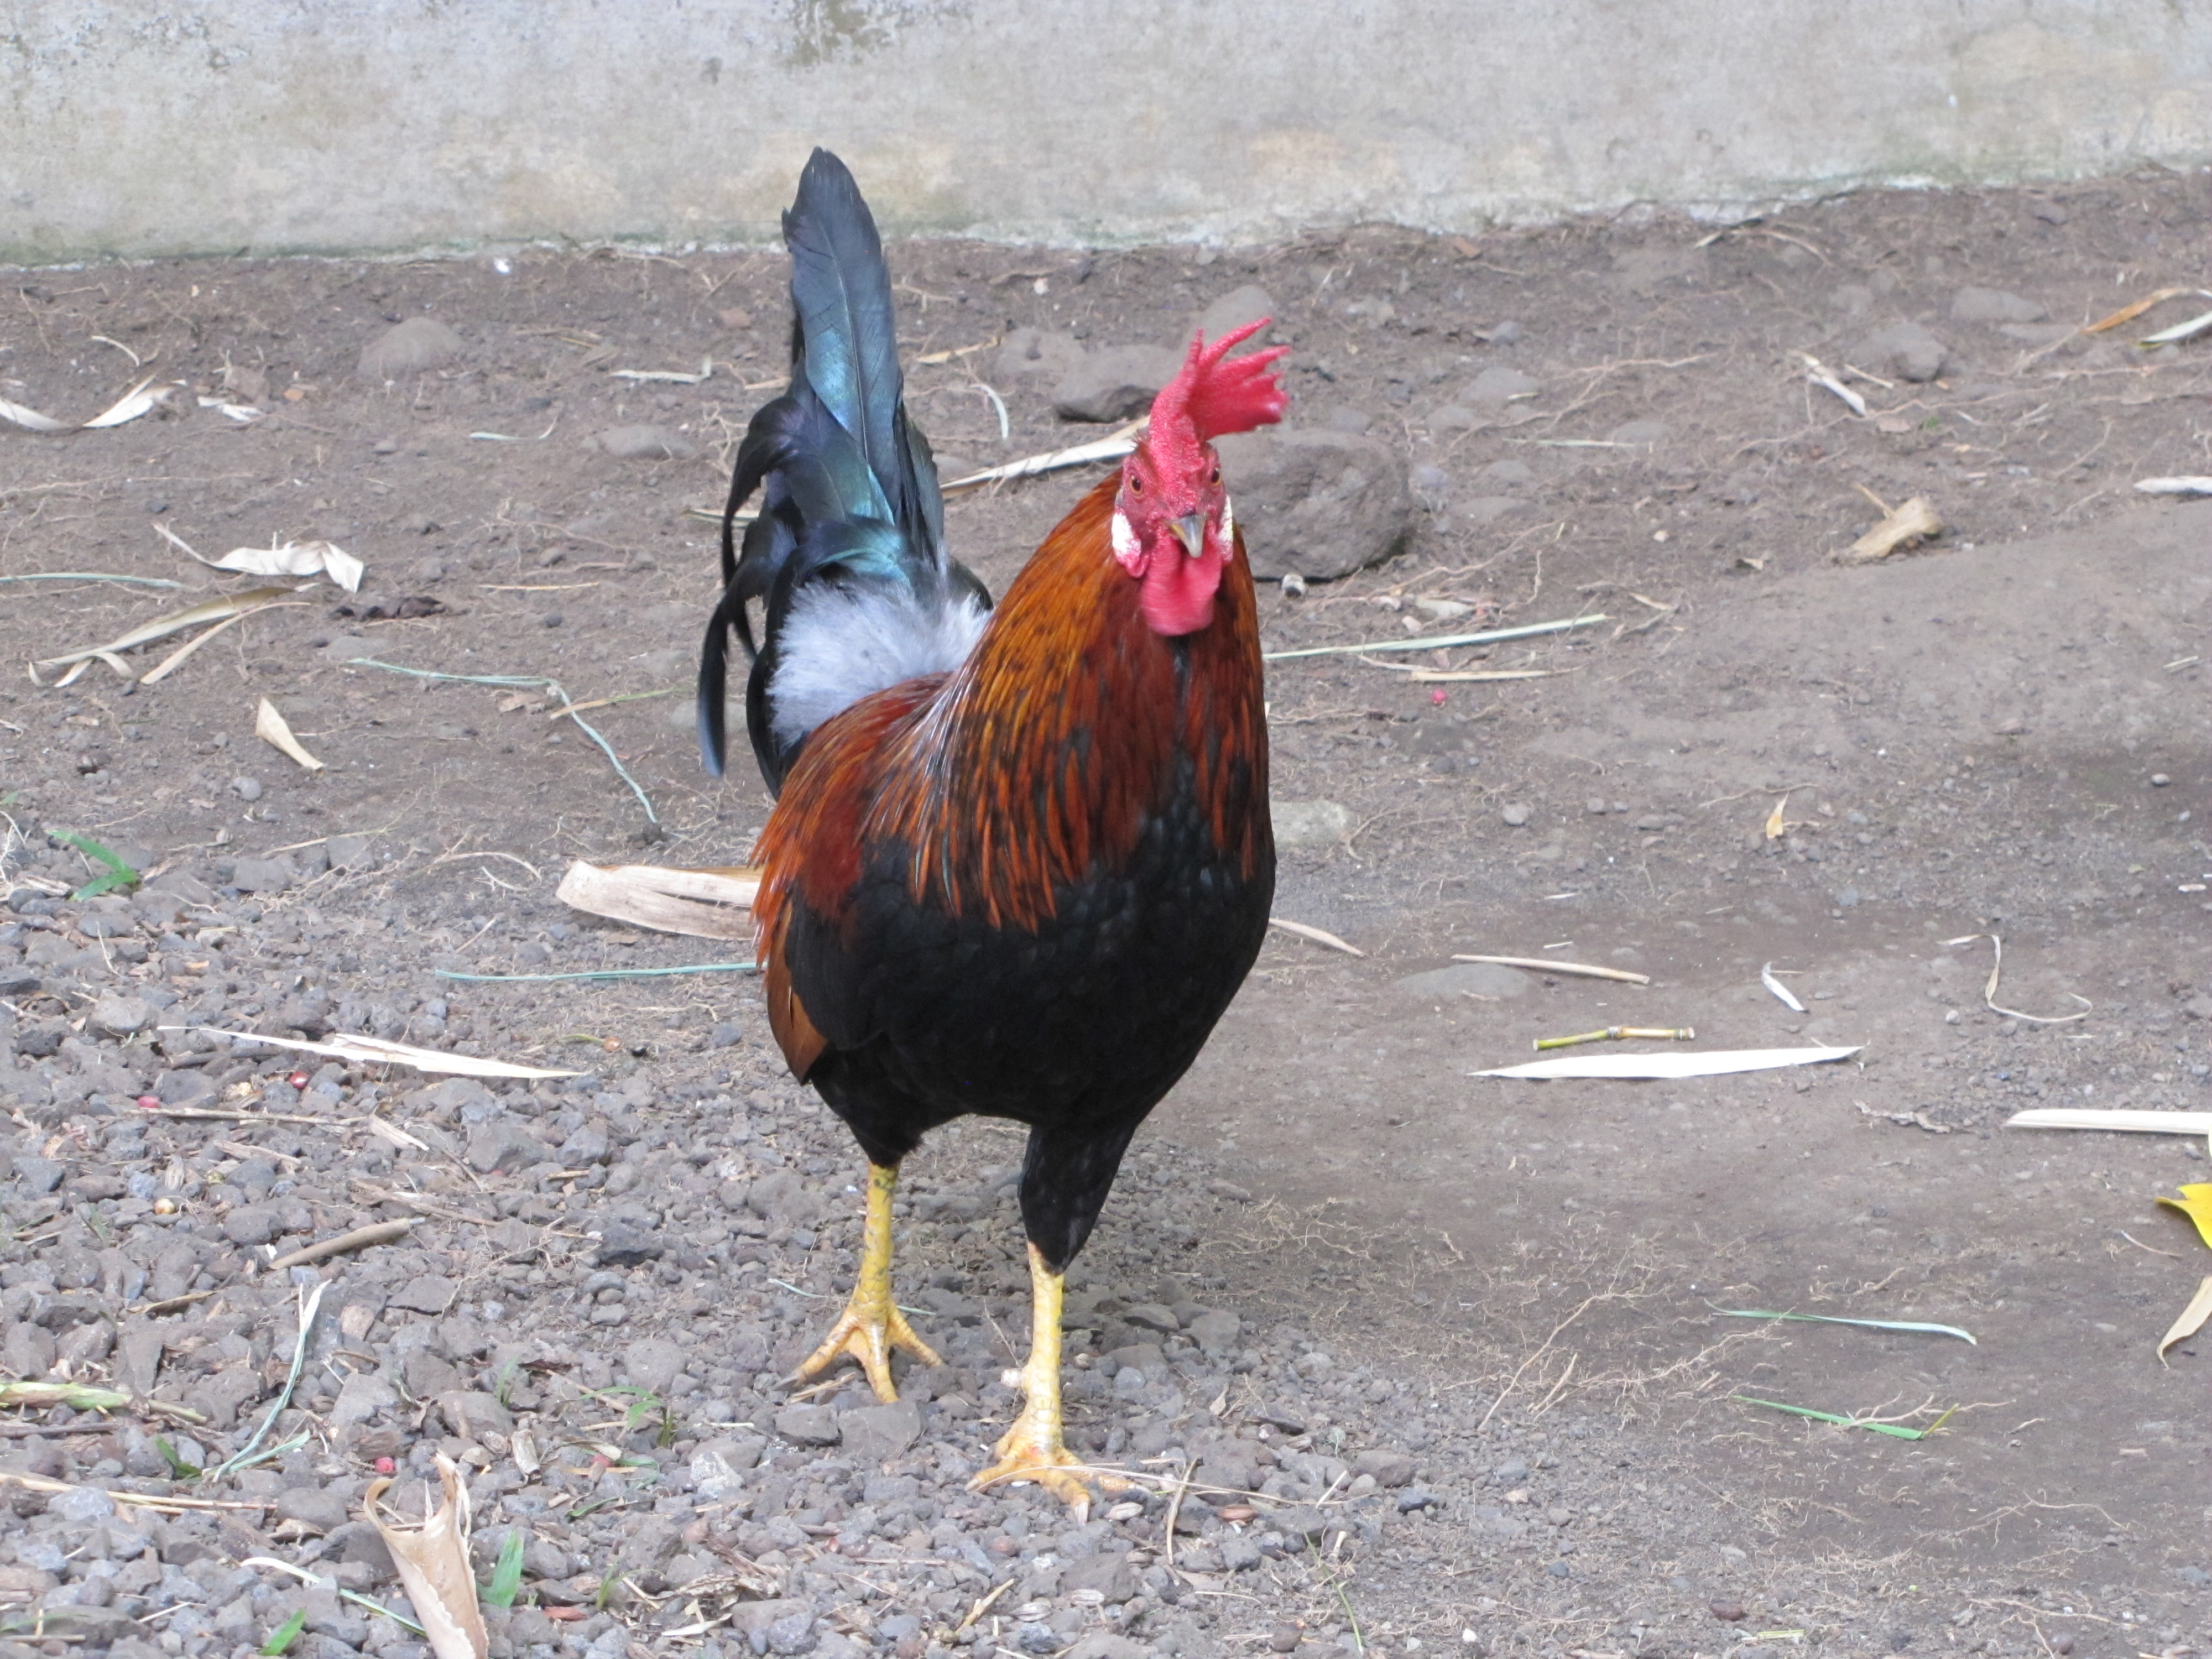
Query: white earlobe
pixel 1228 522
pixel 1125 538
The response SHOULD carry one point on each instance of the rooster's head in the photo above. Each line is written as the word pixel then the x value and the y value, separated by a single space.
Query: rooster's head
pixel 1173 529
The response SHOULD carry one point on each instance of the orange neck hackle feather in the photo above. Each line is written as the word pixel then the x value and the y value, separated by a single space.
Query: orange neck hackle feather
pixel 1037 764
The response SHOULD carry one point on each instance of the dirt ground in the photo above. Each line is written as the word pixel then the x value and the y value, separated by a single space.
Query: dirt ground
pixel 1461 1335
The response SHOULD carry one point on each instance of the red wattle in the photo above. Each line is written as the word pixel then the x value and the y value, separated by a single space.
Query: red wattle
pixel 1177 596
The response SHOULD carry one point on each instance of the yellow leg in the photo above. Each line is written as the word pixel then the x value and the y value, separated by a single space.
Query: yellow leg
pixel 1032 1450
pixel 871 1326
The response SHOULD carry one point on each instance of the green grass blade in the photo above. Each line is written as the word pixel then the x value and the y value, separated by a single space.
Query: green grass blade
pixel 507 1578
pixel 285 1634
pixel 1911 1325
pixel 1895 1431
pixel 119 873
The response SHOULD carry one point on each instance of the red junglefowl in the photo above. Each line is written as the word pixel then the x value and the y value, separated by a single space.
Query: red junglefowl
pixel 1021 859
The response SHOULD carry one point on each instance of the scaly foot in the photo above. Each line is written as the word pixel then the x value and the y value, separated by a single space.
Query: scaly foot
pixel 1033 1450
pixel 870 1332
pixel 872 1327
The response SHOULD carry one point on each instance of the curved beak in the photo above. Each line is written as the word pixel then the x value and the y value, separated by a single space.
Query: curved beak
pixel 1190 530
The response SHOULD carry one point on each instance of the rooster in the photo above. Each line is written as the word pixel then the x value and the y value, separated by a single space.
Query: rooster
pixel 1021 858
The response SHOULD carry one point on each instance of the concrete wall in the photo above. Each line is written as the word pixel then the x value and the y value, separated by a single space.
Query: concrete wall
pixel 139 127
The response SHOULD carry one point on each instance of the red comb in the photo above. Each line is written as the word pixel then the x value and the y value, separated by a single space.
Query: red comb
pixel 1216 395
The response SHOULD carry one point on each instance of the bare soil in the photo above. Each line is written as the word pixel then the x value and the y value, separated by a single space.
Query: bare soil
pixel 1506 1293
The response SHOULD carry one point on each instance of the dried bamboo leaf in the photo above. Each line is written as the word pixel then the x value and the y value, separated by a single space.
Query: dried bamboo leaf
pixel 2175 486
pixel 2129 313
pixel 2192 1320
pixel 2179 331
pixel 174 623
pixel 379 1051
pixel 1318 935
pixel 2131 1122
pixel 1781 992
pixel 1915 1326
pixel 432 1559
pixel 715 903
pixel 127 408
pixel 1579 969
pixel 1714 1062
pixel 271 728
pixel 1912 521
pixel 287 559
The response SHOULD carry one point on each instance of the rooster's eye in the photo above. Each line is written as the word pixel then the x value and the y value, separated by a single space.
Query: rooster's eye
pixel 1136 485
pixel 1214 477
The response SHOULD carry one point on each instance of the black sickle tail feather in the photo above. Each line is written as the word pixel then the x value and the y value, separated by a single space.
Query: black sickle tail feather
pixel 849 492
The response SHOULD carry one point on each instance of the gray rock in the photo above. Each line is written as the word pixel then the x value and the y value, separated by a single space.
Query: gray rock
pixel 809 1425
pixel 1248 304
pixel 409 348
pixel 1111 1575
pixel 1105 1644
pixel 1450 985
pixel 1453 417
pixel 653 1363
pixel 1499 385
pixel 503 1148
pixel 219 1393
pixel 185 1086
pixel 645 443
pixel 1647 434
pixel 252 1224
pixel 1215 1331
pixel 263 875
pixel 621 1245
pixel 1515 815
pixel 1036 351
pixel 319 1506
pixel 361 1397
pixel 1310 822
pixel 39 1175
pixel 585 1144
pixel 1908 350
pixel 1993 305
pixel 433 1293
pixel 794 1633
pixel 1322 504
pixel 1390 1469
pixel 1509 474
pixel 1301 1521
pixel 120 1016
pixel 350 852
pixel 1488 509
pixel 1153 1316
pixel 247 789
pixel 1416 1498
pixel 1115 384
pixel 876 1434
pixel 718 1468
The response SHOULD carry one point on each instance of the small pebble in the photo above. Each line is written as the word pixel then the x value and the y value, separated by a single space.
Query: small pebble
pixel 247 789
pixel 1515 814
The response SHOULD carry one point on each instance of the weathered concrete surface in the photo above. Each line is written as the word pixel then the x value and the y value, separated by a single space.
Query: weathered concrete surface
pixel 353 124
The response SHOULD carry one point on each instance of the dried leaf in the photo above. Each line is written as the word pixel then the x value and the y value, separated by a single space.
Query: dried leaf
pixel 1318 935
pixel 1913 1325
pixel 1578 969
pixel 2192 1320
pixel 432 1559
pixel 1913 521
pixel 290 559
pixel 2137 1122
pixel 271 728
pixel 169 665
pixel 128 407
pixel 2196 1203
pixel 711 903
pixel 174 623
pixel 2175 486
pixel 377 1051
pixel 1781 992
pixel 2129 313
pixel 1714 1062
pixel 2189 329
pixel 1777 825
